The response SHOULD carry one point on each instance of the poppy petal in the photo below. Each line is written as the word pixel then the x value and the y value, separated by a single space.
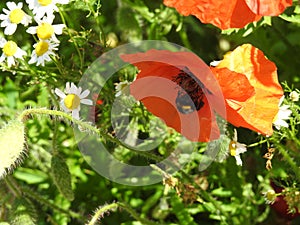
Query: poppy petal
pixel 235 86
pixel 268 7
pixel 151 60
pixel 155 87
pixel 159 96
pixel 223 14
pixel 258 112
pixel 164 63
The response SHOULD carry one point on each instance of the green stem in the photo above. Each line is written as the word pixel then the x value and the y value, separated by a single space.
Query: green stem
pixel 102 36
pixel 25 114
pixel 184 38
pixel 51 205
pixel 207 197
pixel 203 193
pixel 135 215
pixel 100 212
pixel 12 186
pixel 257 143
pixel 72 39
pixel 284 152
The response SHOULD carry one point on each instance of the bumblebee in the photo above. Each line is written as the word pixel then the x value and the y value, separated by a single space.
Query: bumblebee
pixel 191 98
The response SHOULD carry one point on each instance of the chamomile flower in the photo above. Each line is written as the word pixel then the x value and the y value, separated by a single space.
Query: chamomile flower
pixel 236 149
pixel 45 30
pixel 11 51
pixel 270 196
pixel 41 53
pixel 44 7
pixel 122 88
pixel 283 114
pixel 13 16
pixel 70 102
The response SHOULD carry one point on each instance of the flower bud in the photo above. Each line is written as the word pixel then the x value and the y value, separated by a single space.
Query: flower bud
pixel 11 146
pixel 294 96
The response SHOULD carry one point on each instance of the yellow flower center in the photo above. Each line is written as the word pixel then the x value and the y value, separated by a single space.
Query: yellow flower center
pixel 10 48
pixel 41 48
pixel 45 2
pixel 232 148
pixel 45 31
pixel 16 16
pixel 271 195
pixel 72 101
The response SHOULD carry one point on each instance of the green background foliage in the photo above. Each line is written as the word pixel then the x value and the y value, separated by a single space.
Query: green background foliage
pixel 55 185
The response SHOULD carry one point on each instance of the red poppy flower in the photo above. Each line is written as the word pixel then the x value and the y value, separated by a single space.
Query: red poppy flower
pixel 229 13
pixel 257 112
pixel 166 79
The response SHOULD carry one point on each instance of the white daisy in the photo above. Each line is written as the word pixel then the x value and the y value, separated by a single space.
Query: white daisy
pixel 45 30
pixel 10 51
pixel 283 114
pixel 41 53
pixel 270 196
pixel 236 149
pixel 71 101
pixel 44 7
pixel 122 88
pixel 13 16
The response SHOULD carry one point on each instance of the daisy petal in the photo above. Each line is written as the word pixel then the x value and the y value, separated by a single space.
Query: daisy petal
pixel 238 160
pixel 73 89
pixel 9 30
pixel 86 101
pixel 59 93
pixel 84 94
pixel 31 30
pixel 75 114
pixel 11 5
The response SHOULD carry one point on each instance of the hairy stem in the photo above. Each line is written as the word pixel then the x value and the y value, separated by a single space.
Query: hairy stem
pixel 99 213
pixel 33 195
pixel 24 115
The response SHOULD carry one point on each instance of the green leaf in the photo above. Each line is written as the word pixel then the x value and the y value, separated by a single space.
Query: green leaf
pixel 126 19
pixel 292 18
pixel 30 176
pixel 61 176
pixel 128 24
pixel 181 212
pixel 23 212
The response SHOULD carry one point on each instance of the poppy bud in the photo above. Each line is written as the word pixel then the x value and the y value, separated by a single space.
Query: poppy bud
pixel 11 146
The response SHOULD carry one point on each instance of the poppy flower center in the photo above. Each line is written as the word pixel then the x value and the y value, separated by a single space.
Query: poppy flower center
pixel 192 97
pixel 16 16
pixel 41 48
pixel 10 48
pixel 72 101
pixel 44 2
pixel 232 148
pixel 45 31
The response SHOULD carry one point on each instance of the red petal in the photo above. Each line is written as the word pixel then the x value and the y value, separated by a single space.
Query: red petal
pixel 268 7
pixel 235 86
pixel 258 112
pixel 153 60
pixel 223 14
pixel 159 95
pixel 155 88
